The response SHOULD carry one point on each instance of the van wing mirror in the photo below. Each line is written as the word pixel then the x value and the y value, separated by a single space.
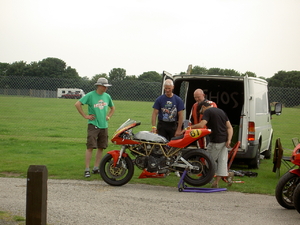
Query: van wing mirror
pixel 277 109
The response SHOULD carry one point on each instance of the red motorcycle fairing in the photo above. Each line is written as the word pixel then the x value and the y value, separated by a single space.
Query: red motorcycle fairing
pixel 121 141
pixel 125 127
pixel 296 155
pixel 188 137
pixel 116 139
pixel 115 155
pixel 295 159
pixel 295 171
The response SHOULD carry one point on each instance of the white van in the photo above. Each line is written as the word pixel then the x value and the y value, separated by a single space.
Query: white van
pixel 245 101
pixel 75 93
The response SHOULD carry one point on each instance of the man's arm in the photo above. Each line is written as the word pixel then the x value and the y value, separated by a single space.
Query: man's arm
pixel 78 106
pixel 202 124
pixel 180 122
pixel 153 120
pixel 229 133
pixel 191 119
pixel 110 113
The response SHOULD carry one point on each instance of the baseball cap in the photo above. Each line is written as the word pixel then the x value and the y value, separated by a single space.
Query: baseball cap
pixel 103 82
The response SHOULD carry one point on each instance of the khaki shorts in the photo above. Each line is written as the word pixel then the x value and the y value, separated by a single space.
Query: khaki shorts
pixel 219 153
pixel 96 137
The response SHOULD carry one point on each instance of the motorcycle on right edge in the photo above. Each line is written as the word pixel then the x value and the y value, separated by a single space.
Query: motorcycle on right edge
pixel 288 188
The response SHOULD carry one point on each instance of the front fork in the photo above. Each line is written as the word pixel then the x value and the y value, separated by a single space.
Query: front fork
pixel 117 155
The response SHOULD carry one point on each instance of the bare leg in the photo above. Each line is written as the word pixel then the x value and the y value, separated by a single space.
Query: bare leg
pixel 216 181
pixel 88 156
pixel 98 157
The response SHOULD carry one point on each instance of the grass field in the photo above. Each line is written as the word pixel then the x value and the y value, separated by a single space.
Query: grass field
pixel 39 131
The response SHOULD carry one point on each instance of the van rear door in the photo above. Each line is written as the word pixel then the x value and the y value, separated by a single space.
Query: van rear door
pixel 262 117
pixel 244 119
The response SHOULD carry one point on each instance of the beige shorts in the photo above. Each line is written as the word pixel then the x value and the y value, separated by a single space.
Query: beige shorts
pixel 219 153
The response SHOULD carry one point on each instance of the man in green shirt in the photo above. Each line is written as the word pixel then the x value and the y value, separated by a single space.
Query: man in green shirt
pixel 100 110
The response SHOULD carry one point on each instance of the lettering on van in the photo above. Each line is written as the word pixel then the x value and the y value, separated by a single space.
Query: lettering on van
pixel 224 97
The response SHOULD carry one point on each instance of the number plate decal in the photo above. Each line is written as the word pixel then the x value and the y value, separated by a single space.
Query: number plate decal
pixel 195 133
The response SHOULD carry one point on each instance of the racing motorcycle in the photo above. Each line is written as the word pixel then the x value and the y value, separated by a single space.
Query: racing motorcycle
pixel 288 188
pixel 156 156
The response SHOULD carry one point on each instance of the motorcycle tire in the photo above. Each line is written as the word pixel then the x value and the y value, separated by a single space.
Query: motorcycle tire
pixel 206 172
pixel 296 198
pixel 116 175
pixel 285 190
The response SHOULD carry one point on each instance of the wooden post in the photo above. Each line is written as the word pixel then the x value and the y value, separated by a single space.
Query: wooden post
pixel 36 198
pixel 189 70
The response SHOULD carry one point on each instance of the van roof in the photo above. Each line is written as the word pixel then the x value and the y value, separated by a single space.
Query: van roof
pixel 213 77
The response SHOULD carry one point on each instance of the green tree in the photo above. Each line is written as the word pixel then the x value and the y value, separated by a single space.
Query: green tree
pixel 199 70
pixel 117 74
pixel 3 68
pixel 85 78
pixel 285 79
pixel 55 68
pixel 262 78
pixel 49 67
pixel 52 67
pixel 150 76
pixel 19 68
pixel 97 76
pixel 33 69
pixel 131 77
pixel 70 73
pixel 231 72
pixel 249 74
pixel 215 71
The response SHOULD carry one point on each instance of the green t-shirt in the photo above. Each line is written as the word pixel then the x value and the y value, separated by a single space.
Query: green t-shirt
pixel 98 105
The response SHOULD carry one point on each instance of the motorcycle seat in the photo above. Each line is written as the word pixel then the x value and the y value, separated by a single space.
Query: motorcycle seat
pixel 178 137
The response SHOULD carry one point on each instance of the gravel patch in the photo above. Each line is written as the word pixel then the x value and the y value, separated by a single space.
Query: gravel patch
pixel 94 202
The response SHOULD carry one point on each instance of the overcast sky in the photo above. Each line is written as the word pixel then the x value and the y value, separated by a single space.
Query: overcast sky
pixel 95 36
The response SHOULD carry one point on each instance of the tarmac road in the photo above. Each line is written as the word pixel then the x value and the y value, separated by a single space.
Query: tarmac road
pixel 94 202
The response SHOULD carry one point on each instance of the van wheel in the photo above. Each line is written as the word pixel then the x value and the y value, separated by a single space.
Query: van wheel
pixel 254 163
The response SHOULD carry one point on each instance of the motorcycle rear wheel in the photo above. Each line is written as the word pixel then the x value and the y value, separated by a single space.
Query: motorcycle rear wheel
pixel 285 190
pixel 116 175
pixel 296 198
pixel 203 160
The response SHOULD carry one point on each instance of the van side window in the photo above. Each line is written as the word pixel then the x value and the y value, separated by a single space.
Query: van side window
pixel 261 103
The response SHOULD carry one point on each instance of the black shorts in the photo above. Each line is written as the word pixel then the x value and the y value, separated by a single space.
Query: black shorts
pixel 96 137
pixel 166 129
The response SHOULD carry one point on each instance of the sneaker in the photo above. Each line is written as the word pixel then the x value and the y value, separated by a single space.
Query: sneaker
pixel 177 173
pixel 230 178
pixel 87 174
pixel 97 171
pixel 214 185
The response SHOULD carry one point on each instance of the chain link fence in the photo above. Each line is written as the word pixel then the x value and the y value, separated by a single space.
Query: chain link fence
pixel 126 90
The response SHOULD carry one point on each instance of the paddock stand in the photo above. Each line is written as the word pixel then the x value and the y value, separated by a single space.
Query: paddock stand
pixel 183 188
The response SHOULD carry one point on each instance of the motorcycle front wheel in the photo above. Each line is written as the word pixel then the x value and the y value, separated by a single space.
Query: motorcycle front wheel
pixel 296 198
pixel 285 190
pixel 116 175
pixel 206 171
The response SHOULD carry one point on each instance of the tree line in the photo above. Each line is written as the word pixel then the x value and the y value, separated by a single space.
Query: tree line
pixel 57 69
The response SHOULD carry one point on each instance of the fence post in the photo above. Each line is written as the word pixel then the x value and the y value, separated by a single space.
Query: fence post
pixel 36 197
